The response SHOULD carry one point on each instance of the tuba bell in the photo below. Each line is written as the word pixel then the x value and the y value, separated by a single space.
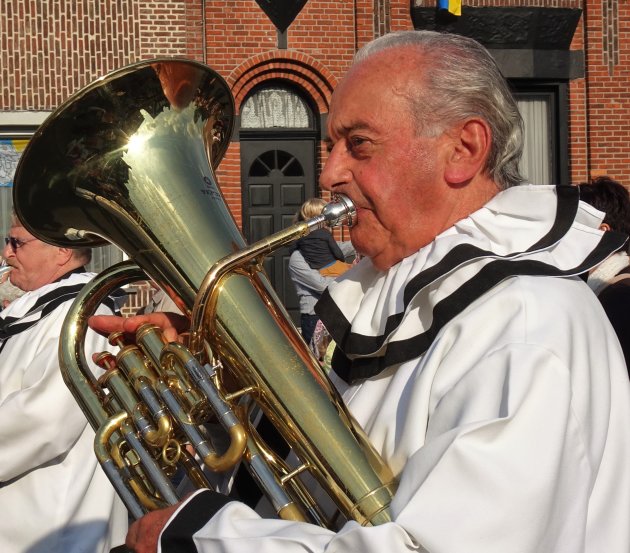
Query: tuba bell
pixel 130 160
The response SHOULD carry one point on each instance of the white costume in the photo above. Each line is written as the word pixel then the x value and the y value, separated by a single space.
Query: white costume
pixel 491 382
pixel 54 496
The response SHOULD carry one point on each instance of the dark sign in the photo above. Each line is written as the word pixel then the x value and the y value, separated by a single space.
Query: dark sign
pixel 282 12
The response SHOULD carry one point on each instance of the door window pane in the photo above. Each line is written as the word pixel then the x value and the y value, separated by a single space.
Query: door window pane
pixel 275 107
pixel 537 163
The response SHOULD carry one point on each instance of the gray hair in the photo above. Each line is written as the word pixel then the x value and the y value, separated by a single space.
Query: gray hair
pixel 82 255
pixel 464 81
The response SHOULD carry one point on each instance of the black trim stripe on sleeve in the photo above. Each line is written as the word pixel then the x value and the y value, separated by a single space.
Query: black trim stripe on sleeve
pixel 178 535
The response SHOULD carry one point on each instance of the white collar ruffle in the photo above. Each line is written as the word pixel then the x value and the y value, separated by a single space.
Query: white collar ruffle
pixel 529 229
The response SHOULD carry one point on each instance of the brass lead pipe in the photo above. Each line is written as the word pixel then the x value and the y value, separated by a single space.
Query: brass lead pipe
pixel 340 212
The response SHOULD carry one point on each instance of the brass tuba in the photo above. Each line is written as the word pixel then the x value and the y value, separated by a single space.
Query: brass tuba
pixel 130 160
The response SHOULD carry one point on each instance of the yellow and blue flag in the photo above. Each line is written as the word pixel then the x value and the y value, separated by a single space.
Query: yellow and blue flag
pixel 452 6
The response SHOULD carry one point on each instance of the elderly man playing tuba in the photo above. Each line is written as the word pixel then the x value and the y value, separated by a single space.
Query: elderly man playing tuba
pixel 480 365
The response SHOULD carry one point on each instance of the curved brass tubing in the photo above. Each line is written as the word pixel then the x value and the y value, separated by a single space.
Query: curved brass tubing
pixel 103 454
pixel 235 429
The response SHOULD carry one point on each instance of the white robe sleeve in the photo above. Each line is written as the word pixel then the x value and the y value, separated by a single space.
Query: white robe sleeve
pixel 509 434
pixel 503 454
pixel 45 420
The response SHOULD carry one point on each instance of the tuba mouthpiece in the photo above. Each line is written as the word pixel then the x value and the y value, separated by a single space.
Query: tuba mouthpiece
pixel 340 211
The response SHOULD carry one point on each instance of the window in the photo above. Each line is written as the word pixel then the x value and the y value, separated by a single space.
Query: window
pixel 545 117
pixel 536 163
pixel 12 144
pixel 275 107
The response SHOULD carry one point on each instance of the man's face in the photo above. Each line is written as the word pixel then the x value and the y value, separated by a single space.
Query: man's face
pixel 34 262
pixel 380 161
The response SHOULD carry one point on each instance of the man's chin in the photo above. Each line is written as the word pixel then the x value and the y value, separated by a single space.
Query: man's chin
pixel 382 259
pixel 17 284
pixel 363 242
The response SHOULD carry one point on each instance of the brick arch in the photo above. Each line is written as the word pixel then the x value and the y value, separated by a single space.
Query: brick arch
pixel 299 68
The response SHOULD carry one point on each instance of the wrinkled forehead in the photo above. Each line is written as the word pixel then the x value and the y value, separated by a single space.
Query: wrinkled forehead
pixel 372 92
pixel 18 231
pixel 398 70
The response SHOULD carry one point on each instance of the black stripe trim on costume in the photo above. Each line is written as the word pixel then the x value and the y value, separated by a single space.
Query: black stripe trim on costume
pixel 53 294
pixel 444 311
pixel 339 327
pixel 75 271
pixel 357 344
pixel 178 535
pixel 566 210
pixel 43 306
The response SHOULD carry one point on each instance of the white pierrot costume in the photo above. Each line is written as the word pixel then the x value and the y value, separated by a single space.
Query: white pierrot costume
pixel 486 374
pixel 54 496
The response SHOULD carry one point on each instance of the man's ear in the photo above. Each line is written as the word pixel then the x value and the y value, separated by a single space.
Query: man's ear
pixel 604 227
pixel 470 149
pixel 64 255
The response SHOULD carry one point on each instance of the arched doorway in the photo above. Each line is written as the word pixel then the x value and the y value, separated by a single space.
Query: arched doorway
pixel 278 138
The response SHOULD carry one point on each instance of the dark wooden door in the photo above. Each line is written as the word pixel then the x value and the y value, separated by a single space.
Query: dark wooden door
pixel 277 176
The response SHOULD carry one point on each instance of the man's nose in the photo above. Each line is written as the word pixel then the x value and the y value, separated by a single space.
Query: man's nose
pixel 335 171
pixel 7 250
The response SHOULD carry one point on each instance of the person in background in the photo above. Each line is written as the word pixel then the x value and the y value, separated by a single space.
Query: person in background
pixel 159 300
pixel 308 279
pixel 309 286
pixel 55 498
pixel 478 362
pixel 610 280
pixel 319 248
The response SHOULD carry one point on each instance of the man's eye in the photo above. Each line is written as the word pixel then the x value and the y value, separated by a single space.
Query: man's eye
pixel 356 142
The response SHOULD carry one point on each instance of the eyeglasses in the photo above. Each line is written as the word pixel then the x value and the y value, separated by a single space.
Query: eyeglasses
pixel 16 243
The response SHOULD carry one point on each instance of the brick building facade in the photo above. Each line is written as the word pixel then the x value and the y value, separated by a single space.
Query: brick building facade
pixel 52 48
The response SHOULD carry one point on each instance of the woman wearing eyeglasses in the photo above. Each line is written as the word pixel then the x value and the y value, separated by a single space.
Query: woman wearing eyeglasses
pixel 58 499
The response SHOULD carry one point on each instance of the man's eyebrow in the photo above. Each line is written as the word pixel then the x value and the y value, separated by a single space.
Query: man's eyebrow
pixel 359 126
pixel 345 130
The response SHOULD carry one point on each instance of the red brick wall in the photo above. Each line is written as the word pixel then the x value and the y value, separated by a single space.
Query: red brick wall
pixel 51 48
pixel 239 30
pixel 578 151
pixel 163 28
pixel 600 103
